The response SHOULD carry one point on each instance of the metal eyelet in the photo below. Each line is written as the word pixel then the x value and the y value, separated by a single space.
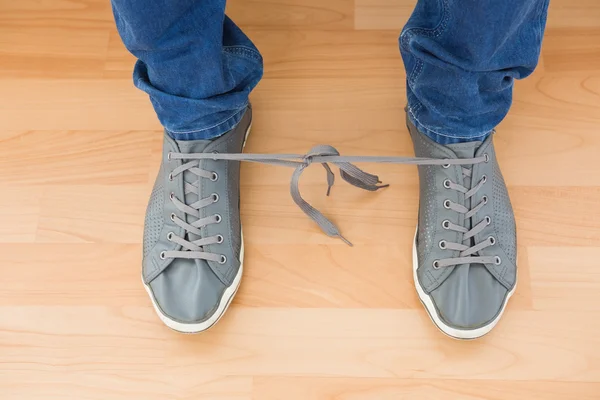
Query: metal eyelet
pixel 220 239
pixel 488 219
pixel 442 244
pixel 173 217
pixel 163 255
pixel 447 204
pixel 484 178
pixel 446 166
pixel 487 157
pixel 492 240
pixel 170 236
pixel 214 177
pixel 215 197
pixel 223 259
pixel 484 199
pixel 172 195
pixel 218 218
pixel 169 156
pixel 170 177
pixel 447 183
pixel 497 260
pixel 436 264
pixel 446 224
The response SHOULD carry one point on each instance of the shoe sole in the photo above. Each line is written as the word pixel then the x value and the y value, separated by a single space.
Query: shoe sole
pixel 455 333
pixel 228 293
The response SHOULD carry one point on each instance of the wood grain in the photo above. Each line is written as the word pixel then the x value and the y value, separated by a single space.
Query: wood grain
pixel 314 319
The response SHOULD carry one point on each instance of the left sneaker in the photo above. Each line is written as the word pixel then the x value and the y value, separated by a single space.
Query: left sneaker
pixel 464 254
pixel 193 245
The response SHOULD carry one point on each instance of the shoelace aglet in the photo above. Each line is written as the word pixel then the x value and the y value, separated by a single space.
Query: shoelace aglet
pixel 330 181
pixel 349 243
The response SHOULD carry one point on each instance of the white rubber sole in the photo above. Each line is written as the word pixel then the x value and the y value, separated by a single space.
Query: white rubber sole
pixel 226 299
pixel 432 311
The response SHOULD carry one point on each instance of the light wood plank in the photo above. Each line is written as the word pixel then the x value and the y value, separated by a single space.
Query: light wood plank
pixel 565 48
pixel 565 278
pixel 393 14
pixel 75 104
pixel 275 388
pixel 293 14
pixel 77 157
pixel 52 52
pixel 526 345
pixel 382 14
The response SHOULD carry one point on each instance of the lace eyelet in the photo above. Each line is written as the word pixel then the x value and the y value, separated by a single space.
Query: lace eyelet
pixel 484 199
pixel 436 264
pixel 447 183
pixel 447 204
pixel 170 236
pixel 173 217
pixel 492 240
pixel 445 166
pixel 172 195
pixel 487 157
pixel 163 255
pixel 215 197
pixel 488 219
pixel 171 177
pixel 446 224
pixel 497 260
pixel 169 156
pixel 218 218
pixel 484 178
pixel 214 177
pixel 223 259
pixel 442 244
pixel 220 239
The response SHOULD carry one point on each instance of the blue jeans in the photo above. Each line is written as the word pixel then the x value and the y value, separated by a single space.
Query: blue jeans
pixel 461 58
pixel 197 66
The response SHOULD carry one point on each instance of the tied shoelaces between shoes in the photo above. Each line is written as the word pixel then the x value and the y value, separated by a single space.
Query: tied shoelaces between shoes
pixel 324 155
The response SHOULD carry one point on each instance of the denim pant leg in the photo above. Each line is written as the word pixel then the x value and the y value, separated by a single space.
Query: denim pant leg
pixel 461 59
pixel 197 66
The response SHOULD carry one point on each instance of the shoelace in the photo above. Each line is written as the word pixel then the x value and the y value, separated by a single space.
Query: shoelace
pixel 466 255
pixel 324 155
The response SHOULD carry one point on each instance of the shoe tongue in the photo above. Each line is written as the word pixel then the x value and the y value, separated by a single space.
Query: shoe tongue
pixel 464 150
pixel 193 146
pixel 186 147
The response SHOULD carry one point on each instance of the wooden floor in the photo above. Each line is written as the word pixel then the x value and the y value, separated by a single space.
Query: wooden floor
pixel 314 319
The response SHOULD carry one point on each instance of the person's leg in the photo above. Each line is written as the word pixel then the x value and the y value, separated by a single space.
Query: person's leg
pixel 197 66
pixel 461 59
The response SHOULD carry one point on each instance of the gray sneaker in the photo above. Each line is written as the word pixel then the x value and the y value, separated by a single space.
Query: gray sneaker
pixel 193 248
pixel 464 253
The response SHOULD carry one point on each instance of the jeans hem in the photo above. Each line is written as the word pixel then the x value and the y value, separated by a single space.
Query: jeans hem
pixel 244 51
pixel 434 135
pixel 213 131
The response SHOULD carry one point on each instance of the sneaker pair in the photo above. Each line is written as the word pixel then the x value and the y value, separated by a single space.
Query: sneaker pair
pixel 464 252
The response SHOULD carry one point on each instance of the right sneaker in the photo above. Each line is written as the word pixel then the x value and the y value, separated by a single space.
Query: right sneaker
pixel 465 248
pixel 193 247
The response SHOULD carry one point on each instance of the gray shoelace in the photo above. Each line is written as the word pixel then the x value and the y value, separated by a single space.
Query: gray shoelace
pixel 325 155
pixel 192 247
pixel 468 253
